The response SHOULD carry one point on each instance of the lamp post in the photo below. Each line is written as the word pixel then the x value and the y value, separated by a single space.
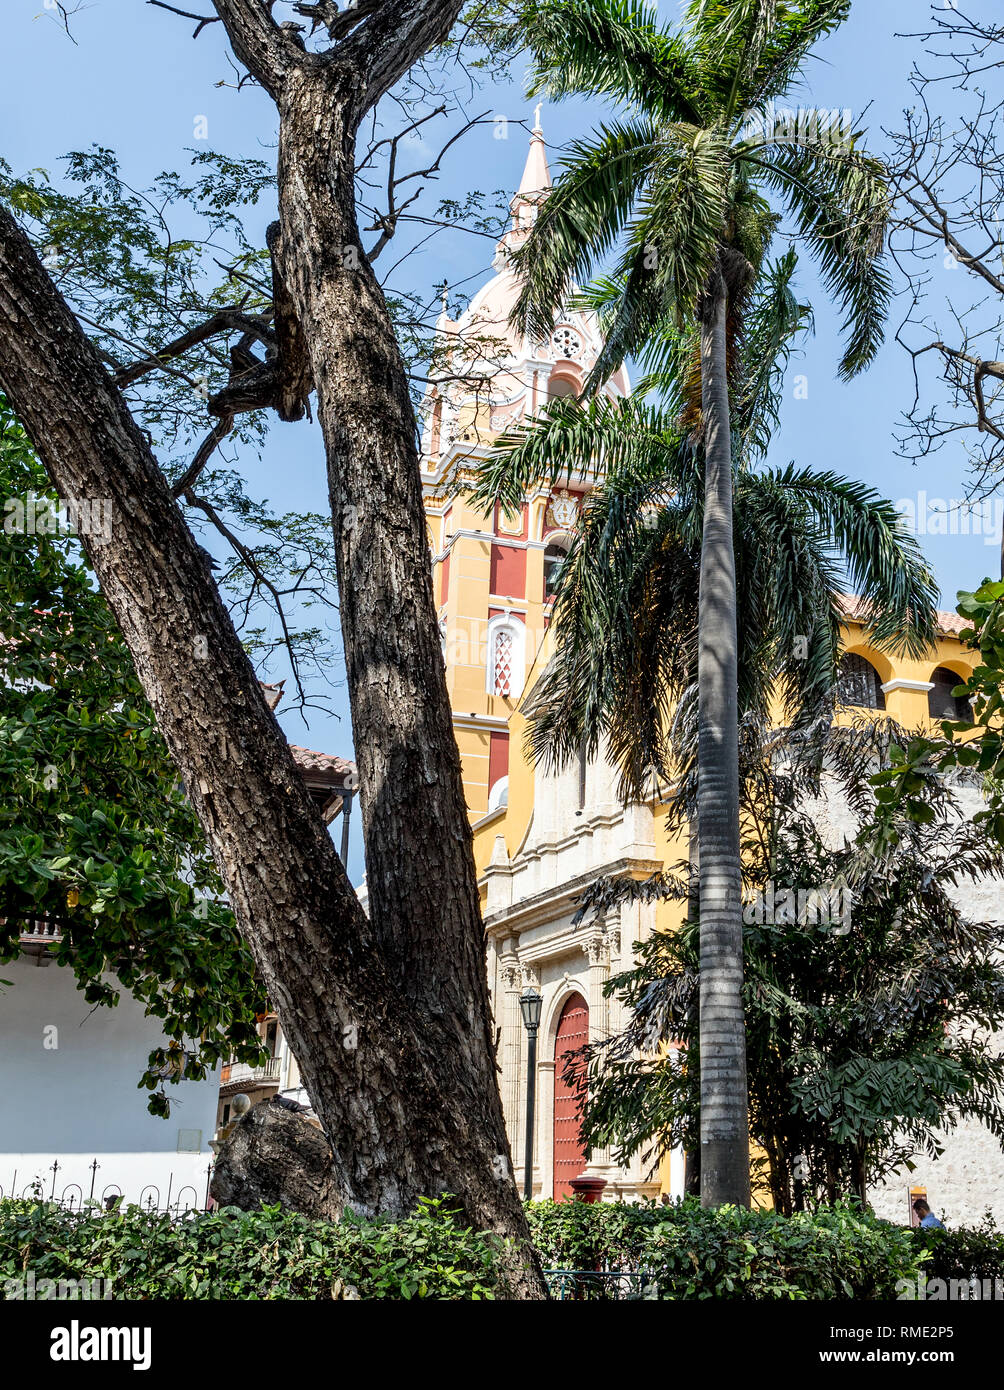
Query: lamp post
pixel 530 1002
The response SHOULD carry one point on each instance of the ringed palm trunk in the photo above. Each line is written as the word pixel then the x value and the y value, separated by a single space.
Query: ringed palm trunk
pixel 725 1173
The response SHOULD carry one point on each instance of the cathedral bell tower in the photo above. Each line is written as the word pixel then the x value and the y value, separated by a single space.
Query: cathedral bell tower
pixel 492 574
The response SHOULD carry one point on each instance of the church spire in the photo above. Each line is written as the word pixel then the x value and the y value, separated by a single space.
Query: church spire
pixel 533 188
pixel 536 178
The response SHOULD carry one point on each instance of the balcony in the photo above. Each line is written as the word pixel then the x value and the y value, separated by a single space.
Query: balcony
pixel 238 1076
pixel 36 935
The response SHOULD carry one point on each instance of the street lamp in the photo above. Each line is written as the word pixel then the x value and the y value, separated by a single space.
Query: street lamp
pixel 530 1002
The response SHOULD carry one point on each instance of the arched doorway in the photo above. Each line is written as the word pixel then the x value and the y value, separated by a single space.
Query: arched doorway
pixel 569 1154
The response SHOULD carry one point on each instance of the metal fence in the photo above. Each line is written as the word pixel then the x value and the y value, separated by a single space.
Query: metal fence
pixel 169 1201
pixel 594 1286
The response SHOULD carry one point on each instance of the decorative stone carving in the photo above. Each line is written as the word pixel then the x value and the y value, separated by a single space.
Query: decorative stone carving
pixel 530 976
pixel 512 974
pixel 566 343
pixel 598 947
pixel 562 510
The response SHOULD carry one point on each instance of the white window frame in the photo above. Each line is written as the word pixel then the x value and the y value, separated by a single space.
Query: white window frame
pixel 498 790
pixel 507 622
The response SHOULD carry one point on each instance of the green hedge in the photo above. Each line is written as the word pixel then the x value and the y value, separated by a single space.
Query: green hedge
pixel 689 1253
pixel 685 1252
pixel 975 1252
pixel 230 1254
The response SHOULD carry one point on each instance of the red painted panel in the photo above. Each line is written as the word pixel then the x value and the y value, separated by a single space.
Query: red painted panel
pixel 524 516
pixel 508 574
pixel 569 1154
pixel 498 757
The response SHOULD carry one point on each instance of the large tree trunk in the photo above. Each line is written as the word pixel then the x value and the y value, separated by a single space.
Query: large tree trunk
pixel 389 1016
pixel 423 895
pixel 725 1173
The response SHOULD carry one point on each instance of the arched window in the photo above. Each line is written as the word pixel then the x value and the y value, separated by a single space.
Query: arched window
pixel 555 554
pixel 858 683
pixel 941 703
pixel 559 386
pixel 498 795
pixel 505 665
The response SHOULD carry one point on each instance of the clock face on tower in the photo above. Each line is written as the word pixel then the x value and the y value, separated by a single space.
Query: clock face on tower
pixel 565 343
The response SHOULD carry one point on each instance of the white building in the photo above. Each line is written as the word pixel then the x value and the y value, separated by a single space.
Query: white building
pixel 74 1123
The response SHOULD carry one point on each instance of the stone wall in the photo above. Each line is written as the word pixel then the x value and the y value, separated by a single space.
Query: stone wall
pixel 969 1176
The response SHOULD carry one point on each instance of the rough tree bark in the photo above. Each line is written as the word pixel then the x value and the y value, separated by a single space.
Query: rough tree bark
pixel 388 1016
pixel 273 1155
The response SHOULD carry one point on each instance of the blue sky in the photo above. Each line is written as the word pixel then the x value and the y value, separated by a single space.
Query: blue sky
pixel 135 81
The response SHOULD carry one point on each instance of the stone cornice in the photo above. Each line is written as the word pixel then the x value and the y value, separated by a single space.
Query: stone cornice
pixel 543 907
pixel 899 683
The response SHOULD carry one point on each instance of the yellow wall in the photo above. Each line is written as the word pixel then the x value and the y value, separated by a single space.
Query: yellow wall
pixel 908 707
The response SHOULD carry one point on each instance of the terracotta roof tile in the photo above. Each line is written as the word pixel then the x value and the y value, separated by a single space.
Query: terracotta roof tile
pixel 328 766
pixel 308 760
pixel 855 609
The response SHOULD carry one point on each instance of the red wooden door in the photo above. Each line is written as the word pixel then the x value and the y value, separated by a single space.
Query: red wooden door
pixel 569 1155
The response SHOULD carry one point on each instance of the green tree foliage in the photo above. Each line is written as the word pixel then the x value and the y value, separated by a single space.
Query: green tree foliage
pixel 869 996
pixel 976 743
pixel 96 835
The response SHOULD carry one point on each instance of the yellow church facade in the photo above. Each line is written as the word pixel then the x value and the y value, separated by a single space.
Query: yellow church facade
pixel 540 837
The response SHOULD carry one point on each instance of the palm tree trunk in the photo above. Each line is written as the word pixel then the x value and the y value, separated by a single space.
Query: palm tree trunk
pixel 725 1174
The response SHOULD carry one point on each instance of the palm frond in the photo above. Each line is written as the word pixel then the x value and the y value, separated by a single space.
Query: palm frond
pixel 884 562
pixel 624 620
pixel 569 439
pixel 729 36
pixel 674 241
pixel 581 218
pixel 774 324
pixel 839 198
pixel 613 48
pixel 796 29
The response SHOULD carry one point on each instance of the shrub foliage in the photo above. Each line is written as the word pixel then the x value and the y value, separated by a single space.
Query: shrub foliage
pixel 230 1254
pixel 840 1252
pixel 685 1252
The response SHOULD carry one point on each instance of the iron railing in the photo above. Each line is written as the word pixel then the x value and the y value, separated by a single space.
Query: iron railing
pixel 241 1072
pixel 170 1201
pixel 607 1285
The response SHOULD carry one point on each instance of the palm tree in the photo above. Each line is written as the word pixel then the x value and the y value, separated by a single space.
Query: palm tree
pixel 623 668
pixel 681 184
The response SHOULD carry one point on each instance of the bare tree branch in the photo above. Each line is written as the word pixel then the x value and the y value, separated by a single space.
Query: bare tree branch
pixel 226 320
pixel 265 49
pixel 203 20
pixel 948 182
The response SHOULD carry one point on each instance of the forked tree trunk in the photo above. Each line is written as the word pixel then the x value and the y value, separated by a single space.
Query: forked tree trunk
pixel 389 1016
pixel 725 1173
